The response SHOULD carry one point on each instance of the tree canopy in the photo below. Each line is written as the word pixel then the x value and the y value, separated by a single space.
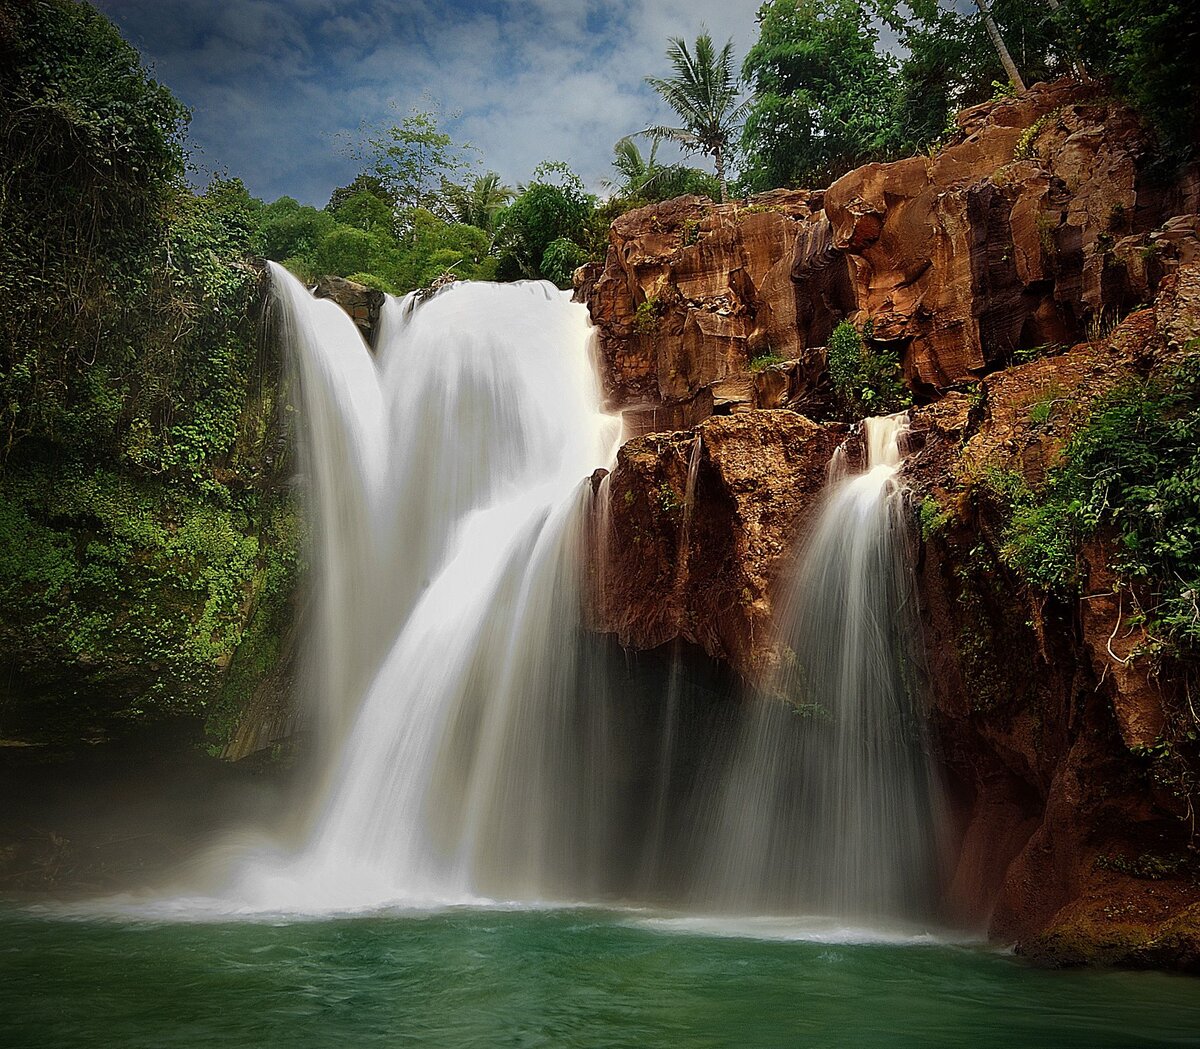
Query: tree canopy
pixel 822 94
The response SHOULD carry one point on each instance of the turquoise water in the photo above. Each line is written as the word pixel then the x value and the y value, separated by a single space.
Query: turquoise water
pixel 470 978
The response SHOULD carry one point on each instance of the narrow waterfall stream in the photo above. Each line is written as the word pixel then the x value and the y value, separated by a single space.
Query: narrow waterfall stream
pixel 480 743
pixel 830 804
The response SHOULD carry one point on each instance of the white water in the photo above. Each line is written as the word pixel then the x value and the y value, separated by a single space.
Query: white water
pixel 446 476
pixel 480 745
pixel 835 752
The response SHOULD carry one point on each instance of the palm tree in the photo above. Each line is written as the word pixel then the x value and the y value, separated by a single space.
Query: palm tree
pixel 479 203
pixel 638 172
pixel 704 93
pixel 644 178
pixel 1006 60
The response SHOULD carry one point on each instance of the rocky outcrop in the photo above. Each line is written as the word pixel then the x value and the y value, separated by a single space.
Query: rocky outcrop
pixel 360 302
pixel 691 294
pixel 695 528
pixel 1034 226
pixel 1026 239
pixel 1051 712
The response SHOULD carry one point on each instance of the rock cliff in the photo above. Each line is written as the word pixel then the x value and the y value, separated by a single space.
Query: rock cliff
pixel 1021 273
pixel 1036 223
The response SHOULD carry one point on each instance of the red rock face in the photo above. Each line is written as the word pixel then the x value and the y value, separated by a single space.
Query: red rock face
pixel 701 566
pixel 689 294
pixel 1033 226
pixel 1046 709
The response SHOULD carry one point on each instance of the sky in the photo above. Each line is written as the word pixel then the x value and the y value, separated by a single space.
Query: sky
pixel 280 89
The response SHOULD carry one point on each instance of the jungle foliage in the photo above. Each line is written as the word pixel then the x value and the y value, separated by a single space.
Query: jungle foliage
pixel 827 95
pixel 1133 470
pixel 139 443
pixel 866 378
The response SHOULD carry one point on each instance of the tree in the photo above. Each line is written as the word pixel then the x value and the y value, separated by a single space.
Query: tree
pixel 364 211
pixel 415 160
pixel 289 229
pixel 479 203
pixel 1147 49
pixel 553 207
pixel 823 96
pixel 91 158
pixel 363 183
pixel 644 179
pixel 431 247
pixel 993 32
pixel 703 92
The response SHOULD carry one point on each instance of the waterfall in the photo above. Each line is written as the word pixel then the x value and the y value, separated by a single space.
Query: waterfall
pixel 829 805
pixel 480 741
pixel 446 478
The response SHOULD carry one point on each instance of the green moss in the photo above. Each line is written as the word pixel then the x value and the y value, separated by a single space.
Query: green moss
pixel 646 316
pixel 258 656
pixel 1147 865
pixel 931 518
pixel 1025 147
pixel 668 498
pixel 1133 467
pixel 765 360
pixel 140 589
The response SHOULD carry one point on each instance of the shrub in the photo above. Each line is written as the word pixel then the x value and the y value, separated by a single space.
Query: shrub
pixel 1133 467
pixel 866 381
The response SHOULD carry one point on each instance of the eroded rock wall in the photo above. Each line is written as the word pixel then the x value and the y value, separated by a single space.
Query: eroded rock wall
pixel 1036 224
pixel 1049 709
pixel 696 558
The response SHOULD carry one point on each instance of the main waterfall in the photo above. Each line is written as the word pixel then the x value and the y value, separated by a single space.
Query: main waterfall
pixel 446 477
pixel 480 743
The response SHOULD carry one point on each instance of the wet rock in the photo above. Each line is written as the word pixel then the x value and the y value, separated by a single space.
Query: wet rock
pixel 360 302
pixel 701 565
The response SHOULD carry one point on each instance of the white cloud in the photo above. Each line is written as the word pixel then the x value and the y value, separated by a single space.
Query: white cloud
pixel 274 83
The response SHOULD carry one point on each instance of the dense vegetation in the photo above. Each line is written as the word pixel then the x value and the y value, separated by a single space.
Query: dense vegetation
pixel 866 379
pixel 1133 471
pixel 827 95
pixel 1130 476
pixel 141 527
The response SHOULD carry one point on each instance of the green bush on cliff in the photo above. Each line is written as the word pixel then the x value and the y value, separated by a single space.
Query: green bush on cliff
pixel 136 591
pixel 139 443
pixel 865 380
pixel 554 207
pixel 1147 50
pixel 1133 468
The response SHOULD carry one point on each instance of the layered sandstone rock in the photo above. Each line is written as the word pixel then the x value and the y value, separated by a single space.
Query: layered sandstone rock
pixel 695 528
pixel 360 302
pixel 1049 711
pixel 690 294
pixel 1033 226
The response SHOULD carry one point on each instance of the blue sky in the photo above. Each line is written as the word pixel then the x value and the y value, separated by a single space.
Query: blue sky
pixel 280 88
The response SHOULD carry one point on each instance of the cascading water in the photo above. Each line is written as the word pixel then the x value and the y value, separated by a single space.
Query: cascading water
pixel 830 805
pixel 446 483
pixel 481 742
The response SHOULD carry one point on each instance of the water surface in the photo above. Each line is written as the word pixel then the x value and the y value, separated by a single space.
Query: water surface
pixel 471 977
